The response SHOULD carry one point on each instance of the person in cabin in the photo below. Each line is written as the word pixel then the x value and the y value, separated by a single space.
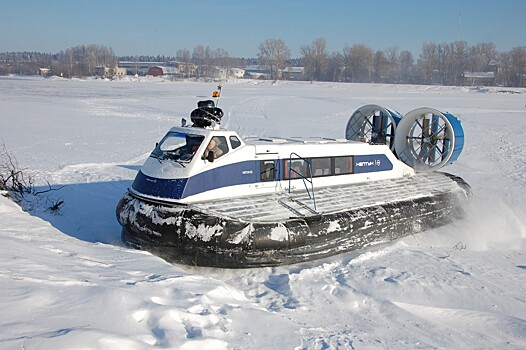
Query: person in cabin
pixel 213 147
pixel 297 170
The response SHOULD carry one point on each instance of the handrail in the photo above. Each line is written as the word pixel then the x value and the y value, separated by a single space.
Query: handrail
pixel 303 177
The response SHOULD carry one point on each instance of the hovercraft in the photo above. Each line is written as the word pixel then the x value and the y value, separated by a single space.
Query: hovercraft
pixel 207 197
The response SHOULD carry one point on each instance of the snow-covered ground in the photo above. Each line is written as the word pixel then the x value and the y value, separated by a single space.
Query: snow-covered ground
pixel 66 282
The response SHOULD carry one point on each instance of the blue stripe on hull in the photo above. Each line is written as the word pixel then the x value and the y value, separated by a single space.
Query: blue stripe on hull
pixel 229 175
pixel 371 163
pixel 242 173
pixel 164 188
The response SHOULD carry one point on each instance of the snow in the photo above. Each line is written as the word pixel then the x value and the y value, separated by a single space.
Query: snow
pixel 67 281
pixel 279 233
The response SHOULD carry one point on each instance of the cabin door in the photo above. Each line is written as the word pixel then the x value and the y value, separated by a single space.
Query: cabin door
pixel 268 174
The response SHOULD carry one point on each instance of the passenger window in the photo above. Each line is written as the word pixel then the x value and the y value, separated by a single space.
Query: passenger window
pixel 267 170
pixel 343 165
pixel 299 168
pixel 234 142
pixel 321 167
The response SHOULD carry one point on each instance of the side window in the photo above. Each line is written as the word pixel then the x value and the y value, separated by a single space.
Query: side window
pixel 297 169
pixel 343 165
pixel 321 167
pixel 218 146
pixel 234 142
pixel 267 170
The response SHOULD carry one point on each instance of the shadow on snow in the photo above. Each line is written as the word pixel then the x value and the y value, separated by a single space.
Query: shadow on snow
pixel 88 212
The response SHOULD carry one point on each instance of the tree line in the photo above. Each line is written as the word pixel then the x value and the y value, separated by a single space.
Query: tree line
pixel 76 61
pixel 437 63
pixel 443 63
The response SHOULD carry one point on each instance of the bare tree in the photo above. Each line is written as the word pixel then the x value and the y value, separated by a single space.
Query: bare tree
pixel 504 72
pixel 380 66
pixel 488 52
pixel 19 186
pixel 406 66
pixel 12 178
pixel 443 73
pixel 183 55
pixel 335 67
pixel 518 65
pixel 391 54
pixel 481 55
pixel 208 56
pixel 221 58
pixel 315 58
pixel 81 60
pixel 460 55
pixel 273 53
pixel 198 56
pixel 359 58
pixel 429 61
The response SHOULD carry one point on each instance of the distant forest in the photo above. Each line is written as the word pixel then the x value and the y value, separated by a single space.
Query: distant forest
pixel 455 63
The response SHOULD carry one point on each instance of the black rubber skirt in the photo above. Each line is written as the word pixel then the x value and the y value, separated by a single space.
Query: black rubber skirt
pixel 184 234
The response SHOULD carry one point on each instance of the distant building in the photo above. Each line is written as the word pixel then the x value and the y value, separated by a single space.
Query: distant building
pixel 107 72
pixel 186 69
pixel 236 72
pixel 218 73
pixel 157 71
pixel 138 68
pixel 44 71
pixel 293 73
pixel 257 72
pixel 478 78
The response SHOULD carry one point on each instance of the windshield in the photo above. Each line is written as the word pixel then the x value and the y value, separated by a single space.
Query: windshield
pixel 177 146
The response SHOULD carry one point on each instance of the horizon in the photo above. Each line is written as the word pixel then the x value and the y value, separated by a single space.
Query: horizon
pixel 239 27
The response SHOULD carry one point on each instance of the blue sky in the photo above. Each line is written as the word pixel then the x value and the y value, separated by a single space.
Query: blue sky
pixel 163 26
